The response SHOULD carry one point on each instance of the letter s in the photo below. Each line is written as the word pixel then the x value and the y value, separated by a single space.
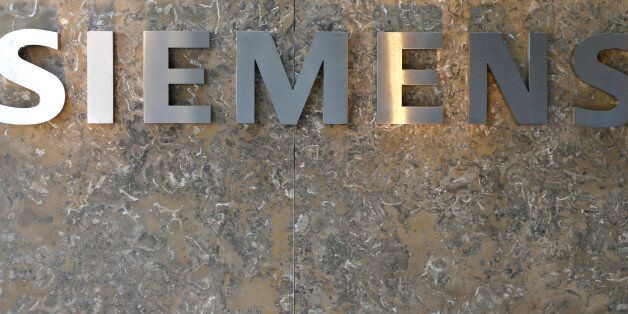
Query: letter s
pixel 592 71
pixel 49 88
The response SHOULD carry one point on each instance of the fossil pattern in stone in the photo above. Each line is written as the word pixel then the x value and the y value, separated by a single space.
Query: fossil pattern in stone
pixel 312 218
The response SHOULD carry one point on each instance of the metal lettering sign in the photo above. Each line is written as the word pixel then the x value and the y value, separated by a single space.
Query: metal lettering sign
pixel 329 51
pixel 391 78
pixel 157 77
pixel 528 105
pixel 592 71
pixel 100 77
pixel 49 88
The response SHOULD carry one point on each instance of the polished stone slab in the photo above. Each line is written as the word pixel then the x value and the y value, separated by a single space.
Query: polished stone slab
pixel 455 217
pixel 140 217
pixel 361 217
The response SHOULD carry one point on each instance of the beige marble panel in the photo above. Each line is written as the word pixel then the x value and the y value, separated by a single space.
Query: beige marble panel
pixel 138 217
pixel 455 217
pixel 447 218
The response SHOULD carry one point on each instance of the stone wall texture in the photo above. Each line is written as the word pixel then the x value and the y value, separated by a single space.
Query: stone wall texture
pixel 313 218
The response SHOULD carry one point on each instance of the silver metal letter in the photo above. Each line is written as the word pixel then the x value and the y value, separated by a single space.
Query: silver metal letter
pixel 99 77
pixel 592 71
pixel 329 49
pixel 391 78
pixel 49 88
pixel 158 75
pixel 528 106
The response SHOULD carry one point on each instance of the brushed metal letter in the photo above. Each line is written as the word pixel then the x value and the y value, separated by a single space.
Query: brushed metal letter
pixel 99 77
pixel 49 88
pixel 593 72
pixel 391 78
pixel 528 106
pixel 158 75
pixel 329 49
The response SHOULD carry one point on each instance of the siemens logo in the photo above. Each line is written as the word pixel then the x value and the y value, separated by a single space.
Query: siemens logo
pixel 329 52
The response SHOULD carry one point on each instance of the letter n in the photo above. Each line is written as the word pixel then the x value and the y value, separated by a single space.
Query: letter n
pixel 528 105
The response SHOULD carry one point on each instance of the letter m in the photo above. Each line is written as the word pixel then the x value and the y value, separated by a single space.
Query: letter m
pixel 329 50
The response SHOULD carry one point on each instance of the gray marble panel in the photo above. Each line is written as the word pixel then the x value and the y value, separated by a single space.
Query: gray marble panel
pixel 455 217
pixel 139 217
pixel 446 218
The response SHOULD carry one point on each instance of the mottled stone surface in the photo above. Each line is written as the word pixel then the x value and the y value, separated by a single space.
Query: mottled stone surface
pixel 456 217
pixel 447 218
pixel 134 216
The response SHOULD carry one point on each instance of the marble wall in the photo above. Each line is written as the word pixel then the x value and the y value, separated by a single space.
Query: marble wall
pixel 312 218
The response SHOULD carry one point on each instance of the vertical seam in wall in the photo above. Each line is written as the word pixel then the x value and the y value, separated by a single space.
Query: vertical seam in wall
pixel 294 161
